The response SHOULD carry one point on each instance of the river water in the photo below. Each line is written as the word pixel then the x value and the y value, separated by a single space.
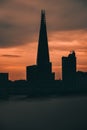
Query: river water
pixel 61 113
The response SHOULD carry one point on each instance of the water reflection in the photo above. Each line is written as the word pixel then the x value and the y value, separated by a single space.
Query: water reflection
pixel 64 113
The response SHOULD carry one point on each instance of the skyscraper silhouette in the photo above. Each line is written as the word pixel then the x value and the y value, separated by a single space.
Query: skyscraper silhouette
pixel 4 77
pixel 43 51
pixel 69 68
pixel 43 69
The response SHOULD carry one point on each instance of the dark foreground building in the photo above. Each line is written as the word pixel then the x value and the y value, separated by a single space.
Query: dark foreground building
pixel 43 69
pixel 69 68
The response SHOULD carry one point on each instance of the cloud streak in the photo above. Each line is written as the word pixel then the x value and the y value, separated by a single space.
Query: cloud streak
pixel 10 56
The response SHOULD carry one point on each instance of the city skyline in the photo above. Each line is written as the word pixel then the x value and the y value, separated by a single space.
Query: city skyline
pixel 18 43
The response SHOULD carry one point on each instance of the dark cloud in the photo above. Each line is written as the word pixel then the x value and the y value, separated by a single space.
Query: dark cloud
pixel 82 1
pixel 6 25
pixel 10 56
pixel 2 1
pixel 19 20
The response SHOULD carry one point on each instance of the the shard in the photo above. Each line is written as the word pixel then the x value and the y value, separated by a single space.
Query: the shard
pixel 43 68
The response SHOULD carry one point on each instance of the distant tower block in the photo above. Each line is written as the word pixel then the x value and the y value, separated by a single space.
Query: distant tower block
pixel 3 77
pixel 69 67
pixel 43 69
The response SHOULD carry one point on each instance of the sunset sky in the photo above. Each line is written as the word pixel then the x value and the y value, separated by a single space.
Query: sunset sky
pixel 19 31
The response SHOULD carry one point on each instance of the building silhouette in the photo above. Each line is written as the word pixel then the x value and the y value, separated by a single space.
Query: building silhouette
pixel 69 68
pixel 3 77
pixel 81 78
pixel 43 68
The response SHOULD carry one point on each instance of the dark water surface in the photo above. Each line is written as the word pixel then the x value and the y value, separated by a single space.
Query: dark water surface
pixel 64 113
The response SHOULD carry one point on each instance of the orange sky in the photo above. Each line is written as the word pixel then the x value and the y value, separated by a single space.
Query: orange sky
pixel 14 60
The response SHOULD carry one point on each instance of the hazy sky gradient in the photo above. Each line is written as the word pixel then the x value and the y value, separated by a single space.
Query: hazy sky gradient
pixel 19 31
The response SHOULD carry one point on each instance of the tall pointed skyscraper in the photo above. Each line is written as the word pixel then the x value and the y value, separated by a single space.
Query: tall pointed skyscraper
pixel 43 69
pixel 43 52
